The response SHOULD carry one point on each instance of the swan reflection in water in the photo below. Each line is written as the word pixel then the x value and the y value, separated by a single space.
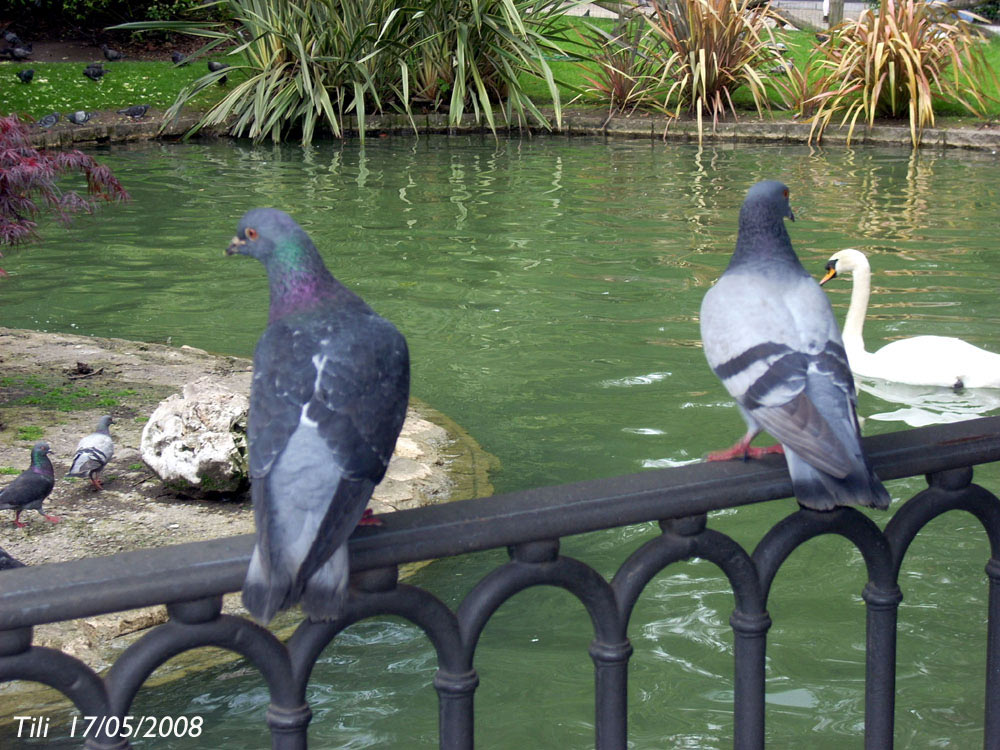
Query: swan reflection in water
pixel 927 404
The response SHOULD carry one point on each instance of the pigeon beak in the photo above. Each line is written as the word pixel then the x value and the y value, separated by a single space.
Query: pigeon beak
pixel 235 246
pixel 791 214
pixel 831 273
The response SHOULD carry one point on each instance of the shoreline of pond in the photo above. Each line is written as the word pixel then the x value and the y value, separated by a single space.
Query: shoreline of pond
pixel 106 127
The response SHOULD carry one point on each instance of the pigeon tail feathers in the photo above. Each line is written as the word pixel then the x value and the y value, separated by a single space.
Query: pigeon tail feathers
pixel 325 593
pixel 86 461
pixel 265 593
pixel 817 490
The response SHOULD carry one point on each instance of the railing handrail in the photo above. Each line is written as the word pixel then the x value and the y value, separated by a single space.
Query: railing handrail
pixel 129 580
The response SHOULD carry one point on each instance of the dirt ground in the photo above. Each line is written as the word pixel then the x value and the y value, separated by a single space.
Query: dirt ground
pixel 84 51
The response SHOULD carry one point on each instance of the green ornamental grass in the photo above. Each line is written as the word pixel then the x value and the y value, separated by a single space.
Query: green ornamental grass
pixel 582 64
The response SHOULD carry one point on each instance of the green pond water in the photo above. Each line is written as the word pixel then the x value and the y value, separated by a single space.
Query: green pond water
pixel 549 289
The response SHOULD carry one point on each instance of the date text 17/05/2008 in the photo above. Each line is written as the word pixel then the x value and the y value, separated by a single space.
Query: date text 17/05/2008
pixel 125 726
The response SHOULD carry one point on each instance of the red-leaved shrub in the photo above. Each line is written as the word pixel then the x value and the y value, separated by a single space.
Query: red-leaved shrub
pixel 28 183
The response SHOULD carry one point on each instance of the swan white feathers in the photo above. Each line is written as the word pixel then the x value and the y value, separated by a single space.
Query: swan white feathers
pixel 918 360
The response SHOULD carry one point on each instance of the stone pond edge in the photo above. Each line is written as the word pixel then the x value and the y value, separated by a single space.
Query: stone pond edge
pixel 574 123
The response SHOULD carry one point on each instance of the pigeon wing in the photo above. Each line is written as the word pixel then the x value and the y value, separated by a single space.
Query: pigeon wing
pixel 28 490
pixel 328 400
pixel 92 454
pixel 771 344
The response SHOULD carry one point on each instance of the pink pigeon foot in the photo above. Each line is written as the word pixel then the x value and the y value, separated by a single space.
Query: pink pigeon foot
pixel 369 518
pixel 744 450
pixel 51 519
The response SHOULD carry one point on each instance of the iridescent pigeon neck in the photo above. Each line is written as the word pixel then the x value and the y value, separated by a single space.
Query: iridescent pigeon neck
pixel 299 281
pixel 40 464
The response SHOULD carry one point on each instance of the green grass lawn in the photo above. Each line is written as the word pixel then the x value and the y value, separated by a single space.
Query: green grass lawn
pixel 571 74
pixel 62 87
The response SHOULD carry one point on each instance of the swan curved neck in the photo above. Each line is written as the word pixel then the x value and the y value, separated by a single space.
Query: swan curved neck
pixel 854 323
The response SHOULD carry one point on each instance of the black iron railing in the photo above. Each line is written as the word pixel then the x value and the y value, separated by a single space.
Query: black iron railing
pixel 191 579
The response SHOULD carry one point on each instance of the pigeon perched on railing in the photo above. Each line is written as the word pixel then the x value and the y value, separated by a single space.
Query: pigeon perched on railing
pixel 26 75
pixel 328 399
pixel 770 335
pixel 136 112
pixel 93 453
pixel 8 562
pixel 94 71
pixel 79 117
pixel 49 120
pixel 31 487
pixel 111 55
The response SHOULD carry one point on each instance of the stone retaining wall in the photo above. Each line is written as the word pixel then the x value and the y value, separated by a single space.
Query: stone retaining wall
pixel 575 123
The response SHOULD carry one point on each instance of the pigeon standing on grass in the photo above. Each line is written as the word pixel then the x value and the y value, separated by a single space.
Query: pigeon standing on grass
pixel 94 71
pixel 26 75
pixel 215 67
pixel 178 59
pixel 770 335
pixel 330 387
pixel 93 453
pixel 31 486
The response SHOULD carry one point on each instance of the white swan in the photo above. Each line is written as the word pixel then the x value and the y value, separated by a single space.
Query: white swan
pixel 920 360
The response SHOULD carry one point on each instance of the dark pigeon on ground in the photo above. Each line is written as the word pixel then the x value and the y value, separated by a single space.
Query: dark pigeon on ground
pixel 215 67
pixel 7 562
pixel 31 486
pixel 94 71
pixel 136 112
pixel 79 117
pixel 26 75
pixel 329 394
pixel 18 52
pixel 178 59
pixel 12 39
pixel 111 55
pixel 93 453
pixel 49 120
pixel 770 335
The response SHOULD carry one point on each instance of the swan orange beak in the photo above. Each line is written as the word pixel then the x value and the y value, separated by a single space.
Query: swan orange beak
pixel 831 272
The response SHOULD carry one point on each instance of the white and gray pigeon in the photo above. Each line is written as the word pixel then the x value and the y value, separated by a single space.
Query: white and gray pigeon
pixel 31 487
pixel 80 117
pixel 93 453
pixel 330 387
pixel 770 335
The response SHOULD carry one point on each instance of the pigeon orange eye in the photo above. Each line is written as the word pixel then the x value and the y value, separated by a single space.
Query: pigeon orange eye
pixel 252 234
pixel 785 192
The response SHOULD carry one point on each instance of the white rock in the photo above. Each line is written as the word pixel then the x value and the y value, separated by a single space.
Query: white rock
pixel 196 440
